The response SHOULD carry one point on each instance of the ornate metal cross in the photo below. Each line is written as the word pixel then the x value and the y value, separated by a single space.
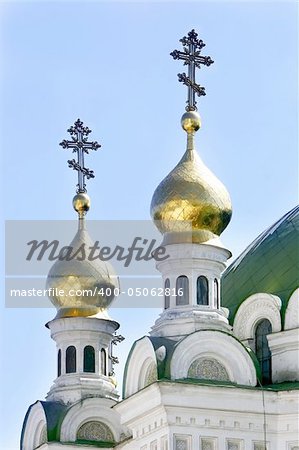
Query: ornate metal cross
pixel 191 57
pixel 80 145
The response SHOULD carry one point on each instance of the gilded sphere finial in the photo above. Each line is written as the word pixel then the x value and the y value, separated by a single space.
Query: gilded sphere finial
pixel 191 121
pixel 81 203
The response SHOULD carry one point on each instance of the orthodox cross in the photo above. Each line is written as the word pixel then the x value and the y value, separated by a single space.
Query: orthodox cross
pixel 191 56
pixel 80 145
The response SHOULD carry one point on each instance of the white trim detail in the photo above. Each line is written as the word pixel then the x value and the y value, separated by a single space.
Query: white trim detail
pixel 292 312
pixel 254 309
pixel 217 345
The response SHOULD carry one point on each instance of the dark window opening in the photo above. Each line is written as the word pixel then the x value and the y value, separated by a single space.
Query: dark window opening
pixel 70 359
pixel 262 349
pixel 202 291
pixel 182 290
pixel 103 362
pixel 216 294
pixel 89 359
pixel 167 293
pixel 59 363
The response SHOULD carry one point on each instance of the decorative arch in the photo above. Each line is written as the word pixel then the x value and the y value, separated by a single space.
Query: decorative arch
pixel 95 431
pixel 254 309
pixel 140 358
pixel 148 373
pixel 43 438
pixel 34 428
pixel 221 347
pixel 292 312
pixel 208 368
pixel 90 410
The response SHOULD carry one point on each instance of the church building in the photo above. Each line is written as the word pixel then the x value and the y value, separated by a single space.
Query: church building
pixel 219 369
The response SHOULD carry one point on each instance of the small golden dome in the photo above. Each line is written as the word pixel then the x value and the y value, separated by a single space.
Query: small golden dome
pixel 81 203
pixel 79 286
pixel 191 198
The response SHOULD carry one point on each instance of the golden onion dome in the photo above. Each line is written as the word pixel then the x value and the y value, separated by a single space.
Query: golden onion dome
pixel 191 198
pixel 79 285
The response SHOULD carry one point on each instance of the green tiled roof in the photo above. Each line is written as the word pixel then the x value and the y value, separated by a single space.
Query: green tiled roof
pixel 269 265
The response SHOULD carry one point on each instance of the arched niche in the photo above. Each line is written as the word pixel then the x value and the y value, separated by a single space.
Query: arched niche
pixel 226 350
pixel 90 410
pixel 254 309
pixel 141 356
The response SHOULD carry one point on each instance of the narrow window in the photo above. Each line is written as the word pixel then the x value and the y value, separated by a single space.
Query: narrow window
pixel 103 362
pixel 59 363
pixel 167 293
pixel 182 290
pixel 89 359
pixel 70 359
pixel 216 294
pixel 263 353
pixel 202 291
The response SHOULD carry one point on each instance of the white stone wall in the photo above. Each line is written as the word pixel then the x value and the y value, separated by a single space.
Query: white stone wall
pixel 200 417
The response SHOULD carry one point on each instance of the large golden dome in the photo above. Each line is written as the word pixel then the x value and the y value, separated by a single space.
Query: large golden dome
pixel 191 198
pixel 80 287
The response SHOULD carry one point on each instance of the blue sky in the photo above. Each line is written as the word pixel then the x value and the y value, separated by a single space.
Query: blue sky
pixel 108 63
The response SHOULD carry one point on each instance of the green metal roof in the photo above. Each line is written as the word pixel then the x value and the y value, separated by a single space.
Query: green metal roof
pixel 285 386
pixel 54 412
pixel 269 265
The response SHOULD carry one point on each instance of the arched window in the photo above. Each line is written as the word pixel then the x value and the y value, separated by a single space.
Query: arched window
pixel 70 359
pixel 216 294
pixel 262 349
pixel 182 290
pixel 89 359
pixel 202 291
pixel 167 293
pixel 103 362
pixel 59 363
